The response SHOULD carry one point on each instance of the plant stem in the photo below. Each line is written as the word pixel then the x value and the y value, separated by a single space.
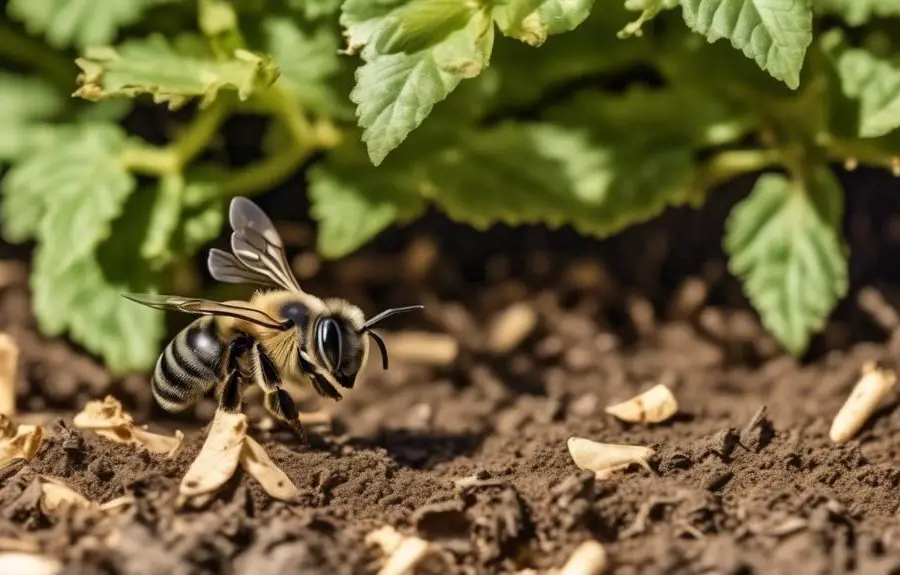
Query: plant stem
pixel 727 165
pixel 868 152
pixel 18 46
pixel 264 175
pixel 152 160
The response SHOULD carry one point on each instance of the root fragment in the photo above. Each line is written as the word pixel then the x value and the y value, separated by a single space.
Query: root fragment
pixel 109 420
pixel 18 442
pixel 655 405
pixel 227 445
pixel 589 558
pixel 872 387
pixel 9 372
pixel 606 458
pixel 511 327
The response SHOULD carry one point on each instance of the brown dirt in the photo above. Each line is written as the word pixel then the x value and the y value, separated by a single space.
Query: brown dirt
pixel 745 479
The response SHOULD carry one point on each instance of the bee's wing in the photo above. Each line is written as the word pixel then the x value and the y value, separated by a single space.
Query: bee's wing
pixel 236 309
pixel 257 245
pixel 225 267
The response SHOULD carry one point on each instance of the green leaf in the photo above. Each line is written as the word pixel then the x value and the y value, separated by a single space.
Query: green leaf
pixel 26 103
pixel 152 66
pixel 875 84
pixel 82 24
pixel 784 243
pixel 774 33
pixel 67 194
pixel 306 61
pixel 858 12
pixel 361 19
pixel 395 93
pixel 419 25
pixel 164 218
pixel 543 173
pixel 316 9
pixel 558 16
pixel 84 297
pixel 353 205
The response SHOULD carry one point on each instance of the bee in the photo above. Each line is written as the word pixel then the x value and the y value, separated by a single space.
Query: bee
pixel 282 331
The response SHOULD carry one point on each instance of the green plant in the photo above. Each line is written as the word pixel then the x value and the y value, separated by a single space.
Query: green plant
pixel 492 110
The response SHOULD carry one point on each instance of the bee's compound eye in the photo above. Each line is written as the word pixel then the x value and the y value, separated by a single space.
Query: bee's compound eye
pixel 328 340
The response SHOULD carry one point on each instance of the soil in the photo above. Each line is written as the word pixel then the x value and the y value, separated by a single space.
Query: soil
pixel 744 479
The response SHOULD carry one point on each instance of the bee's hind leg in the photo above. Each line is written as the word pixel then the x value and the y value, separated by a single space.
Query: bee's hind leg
pixel 276 400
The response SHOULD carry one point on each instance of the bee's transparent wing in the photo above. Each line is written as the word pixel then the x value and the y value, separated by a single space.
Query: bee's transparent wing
pixel 225 267
pixel 257 245
pixel 235 309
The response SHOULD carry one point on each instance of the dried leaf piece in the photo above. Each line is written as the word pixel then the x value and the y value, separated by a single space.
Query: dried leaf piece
pixel 653 406
pixel 218 458
pixel 28 564
pixel 255 461
pixel 422 347
pixel 19 442
pixel 403 552
pixel 605 458
pixel 106 414
pixel 9 372
pixel 589 558
pixel 55 495
pixel 872 387
pixel 108 419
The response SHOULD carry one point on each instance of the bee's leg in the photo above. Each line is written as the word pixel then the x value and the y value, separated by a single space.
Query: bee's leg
pixel 322 385
pixel 232 389
pixel 277 400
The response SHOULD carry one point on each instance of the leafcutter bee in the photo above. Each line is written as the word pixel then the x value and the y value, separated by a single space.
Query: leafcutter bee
pixel 280 331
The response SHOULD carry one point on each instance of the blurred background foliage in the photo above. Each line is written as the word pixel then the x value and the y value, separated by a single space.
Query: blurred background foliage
pixel 589 114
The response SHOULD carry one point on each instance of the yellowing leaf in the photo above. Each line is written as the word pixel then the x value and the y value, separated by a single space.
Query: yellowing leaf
pixel 774 33
pixel 784 243
pixel 152 66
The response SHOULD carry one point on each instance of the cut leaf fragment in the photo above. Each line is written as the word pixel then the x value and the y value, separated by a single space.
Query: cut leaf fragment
pixel 108 419
pixel 18 442
pixel 219 457
pixel 255 461
pixel 606 458
pixel 227 445
pixel 589 558
pixel 56 495
pixel 655 405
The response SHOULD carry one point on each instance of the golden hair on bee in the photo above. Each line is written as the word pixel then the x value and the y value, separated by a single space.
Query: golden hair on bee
pixel 281 330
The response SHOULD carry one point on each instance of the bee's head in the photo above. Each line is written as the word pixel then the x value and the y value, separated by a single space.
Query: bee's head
pixel 337 339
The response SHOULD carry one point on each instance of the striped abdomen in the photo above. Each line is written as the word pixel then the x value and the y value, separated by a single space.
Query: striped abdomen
pixel 189 366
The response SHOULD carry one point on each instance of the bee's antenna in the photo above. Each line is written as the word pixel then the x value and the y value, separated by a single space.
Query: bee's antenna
pixel 386 314
pixel 381 346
